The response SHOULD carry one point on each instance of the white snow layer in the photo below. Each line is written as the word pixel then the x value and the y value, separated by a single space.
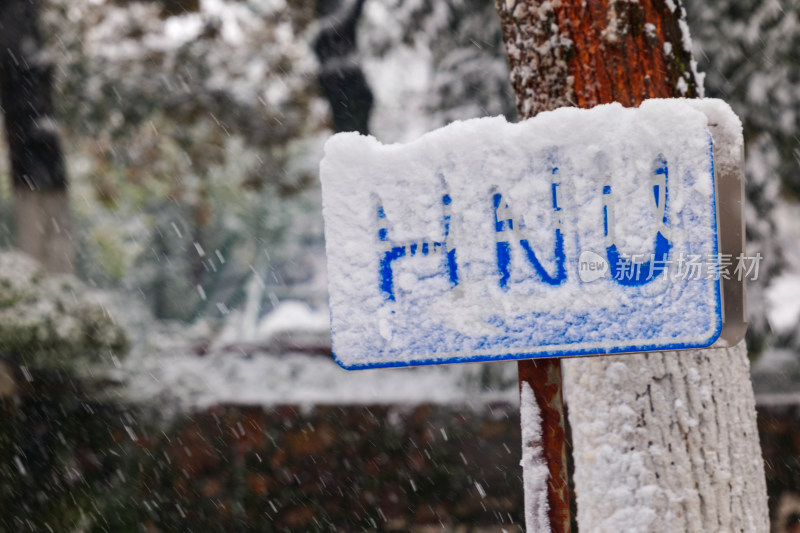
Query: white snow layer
pixel 188 380
pixel 783 296
pixel 535 473
pixel 171 365
pixel 291 322
pixel 413 236
pixel 783 293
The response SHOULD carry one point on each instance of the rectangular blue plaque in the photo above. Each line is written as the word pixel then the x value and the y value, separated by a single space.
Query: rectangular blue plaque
pixel 579 232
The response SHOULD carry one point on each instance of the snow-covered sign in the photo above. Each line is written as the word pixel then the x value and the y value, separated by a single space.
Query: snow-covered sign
pixel 577 232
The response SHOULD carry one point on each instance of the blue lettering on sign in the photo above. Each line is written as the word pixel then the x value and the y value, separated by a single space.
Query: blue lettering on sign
pixel 504 226
pixel 394 251
pixel 508 228
pixel 625 271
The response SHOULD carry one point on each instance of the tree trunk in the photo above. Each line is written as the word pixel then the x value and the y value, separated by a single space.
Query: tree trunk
pixel 340 76
pixel 37 164
pixel 662 441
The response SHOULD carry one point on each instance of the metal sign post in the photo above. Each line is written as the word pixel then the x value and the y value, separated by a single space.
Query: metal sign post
pixel 544 378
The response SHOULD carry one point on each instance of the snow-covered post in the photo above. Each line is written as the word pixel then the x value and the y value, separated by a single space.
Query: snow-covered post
pixel 662 441
pixel 544 455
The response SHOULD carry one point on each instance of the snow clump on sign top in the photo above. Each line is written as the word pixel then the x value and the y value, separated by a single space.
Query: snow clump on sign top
pixel 577 232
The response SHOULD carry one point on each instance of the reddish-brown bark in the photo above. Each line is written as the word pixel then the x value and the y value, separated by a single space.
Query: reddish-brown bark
pixel 582 53
pixel 544 377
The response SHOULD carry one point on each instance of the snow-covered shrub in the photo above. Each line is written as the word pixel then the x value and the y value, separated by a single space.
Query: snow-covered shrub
pixel 49 320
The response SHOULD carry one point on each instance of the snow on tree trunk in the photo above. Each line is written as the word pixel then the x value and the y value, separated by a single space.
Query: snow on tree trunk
pixel 667 441
pixel 37 163
pixel 662 441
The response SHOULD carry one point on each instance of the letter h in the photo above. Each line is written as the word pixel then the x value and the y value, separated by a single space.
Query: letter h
pixel 393 251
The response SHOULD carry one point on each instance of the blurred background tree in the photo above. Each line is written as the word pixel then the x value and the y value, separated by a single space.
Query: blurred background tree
pixel 340 76
pixel 38 175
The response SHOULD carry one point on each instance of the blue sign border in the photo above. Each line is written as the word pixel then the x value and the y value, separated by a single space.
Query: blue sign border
pixel 630 348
